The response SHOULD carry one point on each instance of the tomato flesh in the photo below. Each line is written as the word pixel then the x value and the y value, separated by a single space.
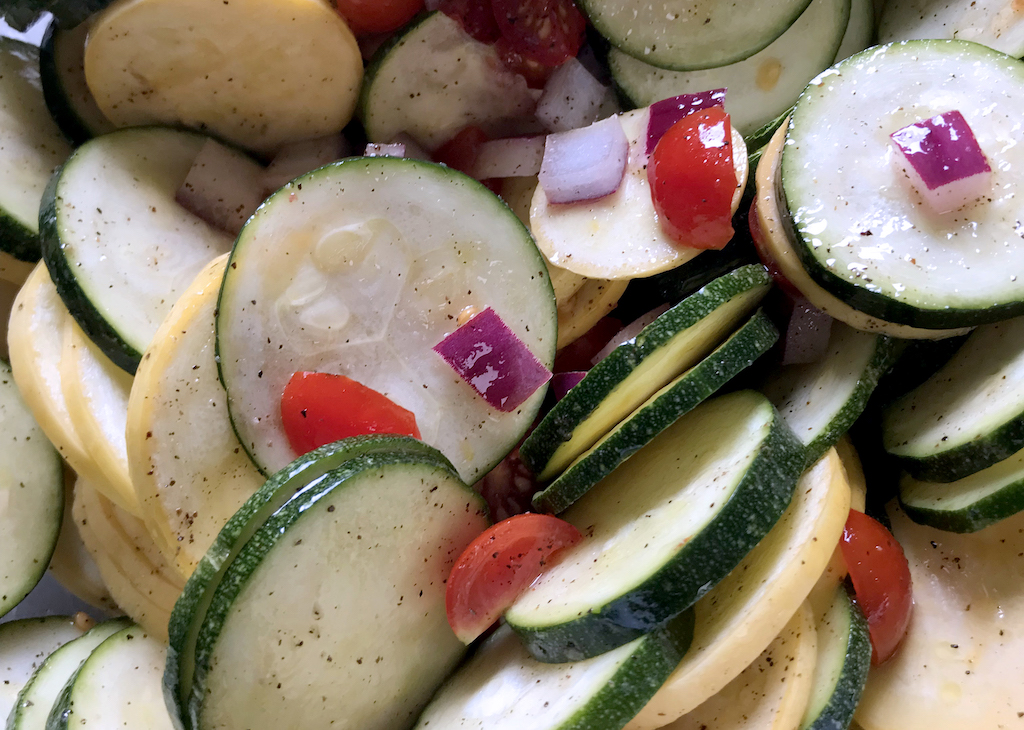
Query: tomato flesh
pixel 498 566
pixel 377 16
pixel 475 16
pixel 549 32
pixel 881 582
pixel 693 180
pixel 321 408
pixel 461 151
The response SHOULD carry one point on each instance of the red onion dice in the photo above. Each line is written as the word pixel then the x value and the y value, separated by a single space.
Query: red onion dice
pixel 562 383
pixel 496 364
pixel 301 157
pixel 943 160
pixel 584 164
pixel 806 335
pixel 573 98
pixel 223 187
pixel 629 332
pixel 667 112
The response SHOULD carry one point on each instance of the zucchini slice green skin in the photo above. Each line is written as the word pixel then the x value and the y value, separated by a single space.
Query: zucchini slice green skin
pixel 78 123
pixel 757 501
pixel 643 666
pixel 682 395
pixel 570 412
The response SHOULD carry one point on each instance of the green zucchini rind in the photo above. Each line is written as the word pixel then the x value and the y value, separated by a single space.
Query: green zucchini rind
pixel 659 412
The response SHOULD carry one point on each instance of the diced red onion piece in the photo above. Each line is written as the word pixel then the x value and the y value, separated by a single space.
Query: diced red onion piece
pixel 508 488
pixel 413 149
pixel 806 335
pixel 562 383
pixel 572 98
pixel 943 161
pixel 301 157
pixel 629 332
pixel 395 149
pixel 584 164
pixel 496 364
pixel 223 187
pixel 667 112
pixel 511 157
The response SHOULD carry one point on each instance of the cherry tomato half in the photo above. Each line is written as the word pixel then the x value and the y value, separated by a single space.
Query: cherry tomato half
pixel 881 581
pixel 693 179
pixel 461 151
pixel 549 32
pixel 475 16
pixel 320 408
pixel 765 255
pixel 377 16
pixel 499 565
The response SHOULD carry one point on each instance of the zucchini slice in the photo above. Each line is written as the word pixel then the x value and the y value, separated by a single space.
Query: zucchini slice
pixel 746 611
pixel 31 496
pixel 366 288
pixel 762 86
pixel 990 22
pixel 343 548
pixel 956 668
pixel 663 530
pixel 687 34
pixel 188 469
pixel 969 415
pixel 433 79
pixel 117 686
pixel 256 73
pixel 771 693
pixel 24 645
pixel 619 236
pixel 821 400
pixel 844 657
pixel 41 691
pixel 778 244
pixel 602 693
pixel 31 147
pixel 882 251
pixel 122 251
pixel 659 412
pixel 636 370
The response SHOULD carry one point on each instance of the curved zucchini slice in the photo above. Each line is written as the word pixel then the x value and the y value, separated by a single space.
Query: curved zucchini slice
pixel 783 252
pixel 602 693
pixel 42 689
pixel 188 469
pixel 659 412
pixel 619 236
pixel 109 245
pixel 231 69
pixel 24 645
pixel 663 530
pixel 746 611
pixel 367 289
pixel 636 370
pixel 762 86
pixel 956 668
pixel 772 692
pixel 31 148
pixel 433 80
pixel 969 415
pixel 342 546
pixel 31 496
pixel 882 250
pixel 820 401
pixel 844 657
pixel 989 22
pixel 118 686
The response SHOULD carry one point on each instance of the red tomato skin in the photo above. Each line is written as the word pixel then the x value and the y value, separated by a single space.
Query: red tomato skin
pixel 461 151
pixel 321 408
pixel 377 16
pixel 535 73
pixel 475 16
pixel 693 180
pixel 549 32
pixel 498 566
pixel 881 582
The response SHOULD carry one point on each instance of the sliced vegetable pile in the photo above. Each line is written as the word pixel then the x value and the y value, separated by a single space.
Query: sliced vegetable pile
pixel 505 363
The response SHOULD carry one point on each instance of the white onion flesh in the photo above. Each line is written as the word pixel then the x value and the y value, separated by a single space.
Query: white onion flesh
pixel 573 98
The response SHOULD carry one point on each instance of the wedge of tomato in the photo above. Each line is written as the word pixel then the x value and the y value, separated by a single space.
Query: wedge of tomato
pixel 377 16
pixel 881 582
pixel 321 408
pixel 498 566
pixel 549 32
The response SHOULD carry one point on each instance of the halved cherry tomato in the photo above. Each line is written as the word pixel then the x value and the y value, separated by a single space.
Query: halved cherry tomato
pixel 320 408
pixel 693 179
pixel 754 222
pixel 549 32
pixel 580 353
pixel 881 581
pixel 535 73
pixel 475 16
pixel 460 152
pixel 377 16
pixel 498 566
pixel 509 487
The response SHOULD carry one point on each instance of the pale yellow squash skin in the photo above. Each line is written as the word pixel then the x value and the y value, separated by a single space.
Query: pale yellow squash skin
pixel 255 73
pixel 72 564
